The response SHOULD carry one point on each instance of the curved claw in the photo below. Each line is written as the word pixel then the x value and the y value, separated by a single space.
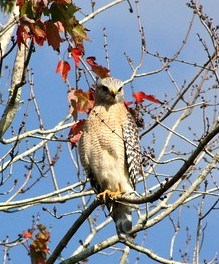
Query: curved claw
pixel 108 194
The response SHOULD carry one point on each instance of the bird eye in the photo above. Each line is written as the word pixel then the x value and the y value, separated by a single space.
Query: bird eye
pixel 120 89
pixel 104 88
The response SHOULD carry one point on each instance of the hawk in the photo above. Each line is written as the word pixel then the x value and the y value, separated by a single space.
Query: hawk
pixel 109 150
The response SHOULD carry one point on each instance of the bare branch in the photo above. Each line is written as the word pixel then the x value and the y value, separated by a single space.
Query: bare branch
pixel 64 241
pixel 92 250
pixel 189 162
pixel 18 80
pixel 100 10
pixel 8 28
pixel 150 253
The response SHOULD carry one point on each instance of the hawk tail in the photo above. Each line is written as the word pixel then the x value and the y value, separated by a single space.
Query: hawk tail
pixel 122 216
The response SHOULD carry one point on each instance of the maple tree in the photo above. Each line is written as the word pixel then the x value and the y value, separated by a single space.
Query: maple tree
pixel 173 99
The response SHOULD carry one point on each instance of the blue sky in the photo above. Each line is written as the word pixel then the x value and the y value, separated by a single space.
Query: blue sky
pixel 165 24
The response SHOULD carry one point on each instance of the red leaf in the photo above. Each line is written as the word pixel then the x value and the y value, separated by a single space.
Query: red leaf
pixel 23 33
pixel 39 245
pixel 91 61
pixel 60 26
pixel 141 96
pixel 128 103
pixel 80 101
pixel 76 53
pixel 38 32
pixel 63 67
pixel 20 3
pixel 27 234
pixel 101 71
pixel 85 101
pixel 52 33
pixel 76 132
pixel 66 1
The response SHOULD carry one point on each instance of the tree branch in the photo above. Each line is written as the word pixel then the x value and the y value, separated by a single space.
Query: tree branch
pixel 150 253
pixel 181 199
pixel 188 163
pixel 92 15
pixel 92 250
pixel 181 94
pixel 8 28
pixel 73 229
pixel 18 80
pixel 35 147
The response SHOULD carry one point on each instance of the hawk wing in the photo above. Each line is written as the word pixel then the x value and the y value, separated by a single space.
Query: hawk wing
pixel 132 149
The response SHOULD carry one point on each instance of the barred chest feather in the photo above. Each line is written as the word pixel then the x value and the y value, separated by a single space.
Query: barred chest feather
pixel 109 148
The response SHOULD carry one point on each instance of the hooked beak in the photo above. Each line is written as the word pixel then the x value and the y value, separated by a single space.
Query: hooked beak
pixel 113 92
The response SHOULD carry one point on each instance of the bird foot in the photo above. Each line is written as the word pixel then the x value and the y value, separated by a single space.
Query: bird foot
pixel 108 194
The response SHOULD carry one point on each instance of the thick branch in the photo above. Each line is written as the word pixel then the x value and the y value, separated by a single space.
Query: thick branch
pixel 182 199
pixel 7 31
pixel 18 80
pixel 98 247
pixel 141 226
pixel 188 163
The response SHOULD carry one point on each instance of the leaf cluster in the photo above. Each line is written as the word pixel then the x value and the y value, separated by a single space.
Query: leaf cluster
pixel 45 20
pixel 39 243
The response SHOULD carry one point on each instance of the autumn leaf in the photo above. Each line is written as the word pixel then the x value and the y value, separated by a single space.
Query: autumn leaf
pixel 76 132
pixel 80 31
pixel 60 26
pixel 91 61
pixel 65 1
pixel 52 33
pixel 128 103
pixel 38 33
pixel 41 239
pixel 80 101
pixel 63 67
pixel 63 11
pixel 101 71
pixel 79 43
pixel 22 34
pixel 76 53
pixel 39 245
pixel 20 3
pixel 85 101
pixel 27 234
pixel 27 9
pixel 141 96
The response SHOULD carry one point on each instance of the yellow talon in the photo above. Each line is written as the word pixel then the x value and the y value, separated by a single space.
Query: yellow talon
pixel 104 195
pixel 108 194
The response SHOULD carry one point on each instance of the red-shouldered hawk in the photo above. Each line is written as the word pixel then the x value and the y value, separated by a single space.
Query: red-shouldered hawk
pixel 110 151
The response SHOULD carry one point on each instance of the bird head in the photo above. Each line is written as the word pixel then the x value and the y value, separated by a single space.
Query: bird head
pixel 109 91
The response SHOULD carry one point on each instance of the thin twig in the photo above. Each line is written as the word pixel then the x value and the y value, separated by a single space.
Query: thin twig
pixel 73 229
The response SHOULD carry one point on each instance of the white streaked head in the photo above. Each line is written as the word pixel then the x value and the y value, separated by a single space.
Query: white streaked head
pixel 109 91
